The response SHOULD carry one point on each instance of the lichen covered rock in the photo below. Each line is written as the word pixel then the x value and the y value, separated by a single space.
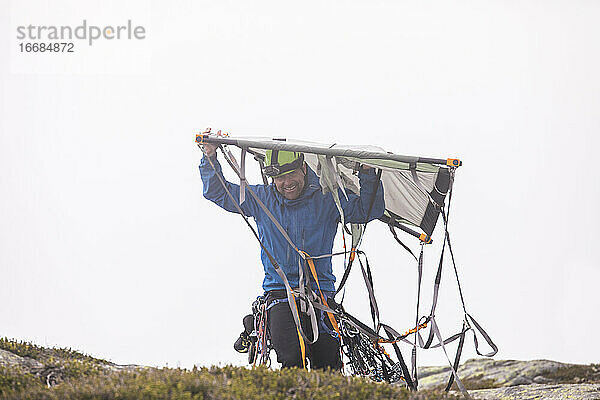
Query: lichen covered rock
pixel 581 391
pixel 497 373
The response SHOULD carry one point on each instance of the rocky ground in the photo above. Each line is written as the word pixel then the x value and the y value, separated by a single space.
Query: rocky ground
pixel 583 391
pixel 484 378
pixel 52 369
pixel 510 379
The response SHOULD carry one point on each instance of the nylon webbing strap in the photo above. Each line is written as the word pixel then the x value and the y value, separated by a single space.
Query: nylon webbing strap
pixel 275 157
pixel 346 272
pixel 447 340
pixel 360 230
pixel 329 314
pixel 401 243
pixel 370 333
pixel 413 172
pixel 417 335
pixel 261 164
pixel 462 299
pixel 243 182
pixel 461 387
pixel 371 203
pixel 436 286
pixel 487 338
pixel 396 337
pixel 291 296
pixel 368 278
pixel 417 182
pixel 468 317
pixel 355 250
pixel 338 176
pixel 302 348
pixel 332 182
pixel 458 354
pixel 405 373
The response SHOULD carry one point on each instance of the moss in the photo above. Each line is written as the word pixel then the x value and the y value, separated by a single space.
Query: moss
pixel 44 354
pixel 83 379
pixel 214 383
pixel 475 383
pixel 15 380
pixel 59 364
pixel 575 374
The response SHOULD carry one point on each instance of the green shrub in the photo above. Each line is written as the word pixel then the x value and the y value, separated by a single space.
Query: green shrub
pixel 83 377
pixel 15 380
pixel 44 354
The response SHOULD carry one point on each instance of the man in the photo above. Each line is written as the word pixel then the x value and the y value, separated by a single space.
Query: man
pixel 310 219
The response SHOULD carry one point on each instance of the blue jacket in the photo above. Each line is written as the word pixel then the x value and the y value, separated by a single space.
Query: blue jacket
pixel 311 220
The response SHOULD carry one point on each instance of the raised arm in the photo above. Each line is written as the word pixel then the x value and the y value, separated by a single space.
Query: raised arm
pixel 214 191
pixel 356 207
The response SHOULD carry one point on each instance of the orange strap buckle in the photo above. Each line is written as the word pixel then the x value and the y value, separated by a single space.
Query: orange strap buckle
pixel 426 239
pixel 352 254
pixel 453 162
pixel 201 136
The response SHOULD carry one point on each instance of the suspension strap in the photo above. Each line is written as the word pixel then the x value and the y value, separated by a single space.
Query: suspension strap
pixel 468 316
pixel 462 299
pixel 368 277
pixel 393 230
pixel 466 325
pixel 302 347
pixel 323 298
pixel 436 288
pixel 261 164
pixel 459 383
pixel 371 203
pixel 487 338
pixel 417 335
pixel 347 271
pixel 396 337
pixel 461 342
pixel 243 181
pixel 358 229
pixel 405 373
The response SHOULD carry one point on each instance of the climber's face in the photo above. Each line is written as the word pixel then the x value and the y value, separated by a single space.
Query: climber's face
pixel 291 184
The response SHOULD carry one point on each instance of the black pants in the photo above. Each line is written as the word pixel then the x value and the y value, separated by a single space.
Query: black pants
pixel 324 353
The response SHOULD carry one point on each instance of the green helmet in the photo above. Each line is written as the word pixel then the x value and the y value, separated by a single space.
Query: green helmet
pixel 281 162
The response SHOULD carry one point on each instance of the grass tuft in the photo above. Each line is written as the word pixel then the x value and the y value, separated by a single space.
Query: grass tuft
pixel 90 381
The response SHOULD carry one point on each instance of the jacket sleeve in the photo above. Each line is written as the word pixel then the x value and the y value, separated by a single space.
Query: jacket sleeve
pixel 356 207
pixel 214 191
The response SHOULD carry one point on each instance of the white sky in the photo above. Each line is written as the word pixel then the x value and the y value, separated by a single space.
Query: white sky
pixel 107 245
